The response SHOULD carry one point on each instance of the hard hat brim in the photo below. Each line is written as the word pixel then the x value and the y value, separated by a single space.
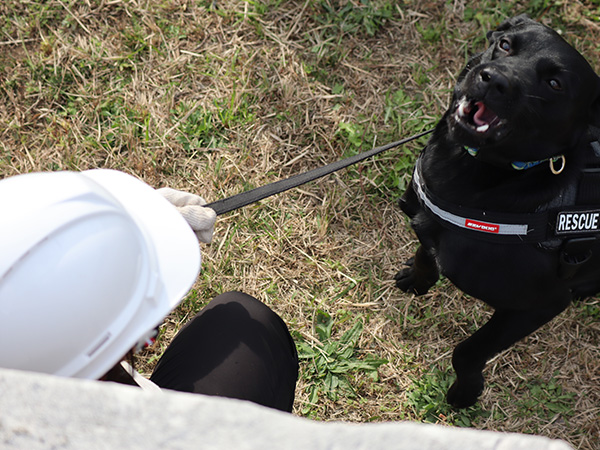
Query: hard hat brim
pixel 176 246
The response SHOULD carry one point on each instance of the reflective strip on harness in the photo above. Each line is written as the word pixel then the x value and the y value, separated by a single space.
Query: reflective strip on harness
pixel 466 222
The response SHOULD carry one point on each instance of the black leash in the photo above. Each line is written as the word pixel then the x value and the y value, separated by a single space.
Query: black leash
pixel 254 195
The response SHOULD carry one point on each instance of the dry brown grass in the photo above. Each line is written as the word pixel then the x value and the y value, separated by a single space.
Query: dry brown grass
pixel 120 84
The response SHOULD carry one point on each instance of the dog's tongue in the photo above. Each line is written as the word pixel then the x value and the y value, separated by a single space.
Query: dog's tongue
pixel 483 115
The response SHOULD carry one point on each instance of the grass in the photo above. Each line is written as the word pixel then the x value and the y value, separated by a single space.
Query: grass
pixel 427 398
pixel 218 97
pixel 329 364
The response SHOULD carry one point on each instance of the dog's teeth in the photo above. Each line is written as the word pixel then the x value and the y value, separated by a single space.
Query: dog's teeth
pixel 483 128
pixel 463 108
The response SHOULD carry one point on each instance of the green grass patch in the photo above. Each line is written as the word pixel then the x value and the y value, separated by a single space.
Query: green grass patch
pixel 427 398
pixel 545 399
pixel 328 365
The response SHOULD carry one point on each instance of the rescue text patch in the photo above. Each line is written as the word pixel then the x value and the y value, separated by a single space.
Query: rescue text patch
pixel 578 222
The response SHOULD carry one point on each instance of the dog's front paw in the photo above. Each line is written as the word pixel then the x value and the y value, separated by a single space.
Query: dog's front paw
pixel 464 392
pixel 408 282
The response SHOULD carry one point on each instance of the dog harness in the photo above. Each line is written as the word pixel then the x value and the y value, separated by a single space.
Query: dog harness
pixel 579 217
pixel 570 225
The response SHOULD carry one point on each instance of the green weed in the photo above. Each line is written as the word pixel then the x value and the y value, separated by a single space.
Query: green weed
pixel 390 172
pixel 544 399
pixel 204 128
pixel 427 398
pixel 199 129
pixel 337 20
pixel 363 16
pixel 329 364
pixel 432 33
pixel 590 310
pixel 354 133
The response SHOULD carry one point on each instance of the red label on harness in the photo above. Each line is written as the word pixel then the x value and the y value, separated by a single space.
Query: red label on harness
pixel 482 226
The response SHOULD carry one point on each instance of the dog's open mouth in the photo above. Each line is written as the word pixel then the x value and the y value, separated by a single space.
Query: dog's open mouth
pixel 477 117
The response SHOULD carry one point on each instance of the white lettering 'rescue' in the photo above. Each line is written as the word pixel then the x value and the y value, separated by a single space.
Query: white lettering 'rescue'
pixel 572 222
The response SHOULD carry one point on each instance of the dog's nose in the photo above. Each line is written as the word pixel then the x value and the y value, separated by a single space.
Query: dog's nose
pixel 494 79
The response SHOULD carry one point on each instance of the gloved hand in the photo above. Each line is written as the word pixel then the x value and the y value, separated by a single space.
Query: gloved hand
pixel 201 219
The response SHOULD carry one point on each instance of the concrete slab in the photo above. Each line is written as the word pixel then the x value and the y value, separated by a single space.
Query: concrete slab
pixel 45 412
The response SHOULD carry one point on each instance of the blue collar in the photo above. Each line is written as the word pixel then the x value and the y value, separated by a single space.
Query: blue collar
pixel 521 165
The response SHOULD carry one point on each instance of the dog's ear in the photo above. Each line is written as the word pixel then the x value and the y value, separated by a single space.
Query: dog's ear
pixel 492 35
pixel 515 21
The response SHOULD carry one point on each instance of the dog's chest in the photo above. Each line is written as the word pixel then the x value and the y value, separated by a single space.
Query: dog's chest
pixel 496 272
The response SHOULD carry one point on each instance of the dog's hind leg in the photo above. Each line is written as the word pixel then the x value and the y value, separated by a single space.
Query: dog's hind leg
pixel 422 273
pixel 504 329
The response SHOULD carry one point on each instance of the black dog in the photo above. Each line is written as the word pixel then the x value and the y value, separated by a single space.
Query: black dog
pixel 505 198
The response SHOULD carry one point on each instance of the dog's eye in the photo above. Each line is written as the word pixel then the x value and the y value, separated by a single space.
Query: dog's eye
pixel 555 84
pixel 504 45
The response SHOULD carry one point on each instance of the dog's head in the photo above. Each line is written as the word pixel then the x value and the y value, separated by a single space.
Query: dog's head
pixel 529 96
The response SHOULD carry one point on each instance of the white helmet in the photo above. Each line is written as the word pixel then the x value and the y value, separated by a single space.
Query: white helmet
pixel 89 263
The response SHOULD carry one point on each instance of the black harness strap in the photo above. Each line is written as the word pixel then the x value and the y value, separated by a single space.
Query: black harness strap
pixel 578 224
pixel 583 218
pixel 507 228
pixel 588 192
pixel 577 246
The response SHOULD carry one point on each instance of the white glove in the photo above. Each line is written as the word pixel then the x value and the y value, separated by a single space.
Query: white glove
pixel 201 219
